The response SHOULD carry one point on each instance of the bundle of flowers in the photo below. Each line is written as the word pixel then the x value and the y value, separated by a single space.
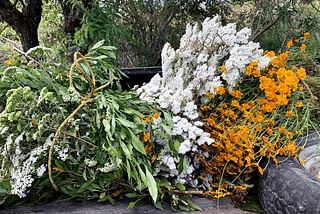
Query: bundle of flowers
pixel 249 102
pixel 221 105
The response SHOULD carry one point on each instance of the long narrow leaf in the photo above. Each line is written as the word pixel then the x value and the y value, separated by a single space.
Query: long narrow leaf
pixel 137 144
pixel 125 122
pixel 152 185
pixel 125 150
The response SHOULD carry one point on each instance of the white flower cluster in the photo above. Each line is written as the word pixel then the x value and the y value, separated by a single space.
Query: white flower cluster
pixel 62 154
pixel 168 163
pixel 195 68
pixel 90 162
pixel 193 136
pixel 109 166
pixel 70 96
pixel 41 170
pixel 22 169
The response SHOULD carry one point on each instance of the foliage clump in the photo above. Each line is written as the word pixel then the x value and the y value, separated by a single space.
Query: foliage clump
pixel 100 140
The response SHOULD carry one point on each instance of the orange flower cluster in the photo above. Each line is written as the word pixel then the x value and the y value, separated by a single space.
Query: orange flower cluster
pixel 276 81
pixel 147 144
pixel 148 147
pixel 150 119
pixel 245 131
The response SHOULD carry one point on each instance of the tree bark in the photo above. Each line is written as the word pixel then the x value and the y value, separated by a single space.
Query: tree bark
pixel 25 22
pixel 72 16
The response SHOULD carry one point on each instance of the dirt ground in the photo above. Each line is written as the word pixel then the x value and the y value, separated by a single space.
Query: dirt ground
pixel 208 206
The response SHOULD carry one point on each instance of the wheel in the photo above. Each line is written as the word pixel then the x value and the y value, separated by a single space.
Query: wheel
pixel 290 187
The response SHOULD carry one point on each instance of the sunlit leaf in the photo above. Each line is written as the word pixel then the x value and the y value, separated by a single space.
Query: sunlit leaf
pixel 152 185
pixel 97 45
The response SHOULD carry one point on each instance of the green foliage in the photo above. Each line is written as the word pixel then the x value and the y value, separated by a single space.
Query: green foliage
pixel 105 147
pixel 140 28
pixel 98 23
pixel 51 32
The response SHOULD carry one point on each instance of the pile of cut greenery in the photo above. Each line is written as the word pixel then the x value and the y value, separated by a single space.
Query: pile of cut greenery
pixel 72 133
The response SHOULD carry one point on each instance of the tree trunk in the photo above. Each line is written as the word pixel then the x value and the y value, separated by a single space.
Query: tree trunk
pixel 25 22
pixel 72 16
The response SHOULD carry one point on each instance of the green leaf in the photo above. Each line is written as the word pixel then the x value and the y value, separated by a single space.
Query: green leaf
pixel 107 128
pixel 85 186
pixel 7 185
pixel 97 45
pixel 84 174
pixel 162 134
pixel 110 199
pixel 112 55
pixel 102 195
pixel 165 182
pixel 152 185
pixel 136 176
pixel 158 205
pixel 113 151
pixel 28 82
pixel 100 57
pixel 192 205
pixel 142 174
pixel 126 123
pixel 128 110
pixel 137 120
pixel 166 128
pixel 125 150
pixel 132 111
pixel 137 144
pixel 101 184
pixel 133 195
pixel 113 125
pixel 103 100
pixel 176 144
pixel 106 197
pixel 123 134
pixel 109 48
pixel 128 170
pixel 168 119
pixel 96 186
pixel 180 187
pixel 182 164
pixel 183 208
pixel 97 119
pixel 3 192
pixel 58 164
pixel 132 204
pixel 115 104
pixel 171 146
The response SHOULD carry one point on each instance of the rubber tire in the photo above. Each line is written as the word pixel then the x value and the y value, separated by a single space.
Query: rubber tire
pixel 288 187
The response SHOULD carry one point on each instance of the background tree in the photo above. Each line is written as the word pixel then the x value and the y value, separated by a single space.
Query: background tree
pixel 274 22
pixel 73 15
pixel 24 17
pixel 140 28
